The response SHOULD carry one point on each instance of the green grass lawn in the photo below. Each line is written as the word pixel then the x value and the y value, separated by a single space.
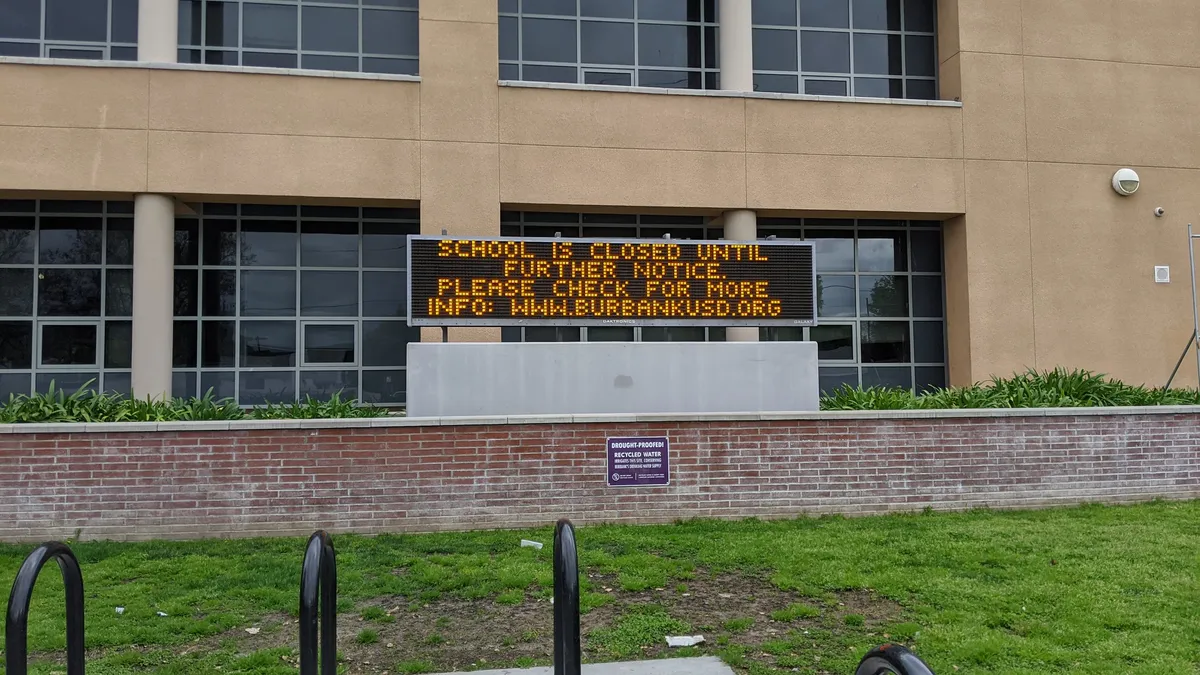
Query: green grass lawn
pixel 1086 590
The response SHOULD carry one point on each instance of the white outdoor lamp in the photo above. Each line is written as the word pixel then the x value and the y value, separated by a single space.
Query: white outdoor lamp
pixel 1126 182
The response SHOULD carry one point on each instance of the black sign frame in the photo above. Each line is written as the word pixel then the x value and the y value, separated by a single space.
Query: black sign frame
pixel 597 321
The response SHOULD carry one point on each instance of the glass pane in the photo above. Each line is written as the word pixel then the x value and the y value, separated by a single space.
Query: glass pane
pixel 16 345
pixel 929 342
pixel 832 379
pixel 773 12
pixel 122 54
pixel 877 14
pixel 329 29
pixel 19 49
pixel 386 245
pixel 220 242
pixel 865 87
pixel 323 384
pixel 220 292
pixel 884 342
pixel 222 384
pixel 328 293
pixel 184 384
pixel 16 292
pixel 606 42
pixel 882 252
pixel 609 79
pixel 878 54
pixel 673 334
pixel 510 334
pixel 77 20
pixel 609 334
pixel 548 40
pixel 124 21
pixel 268 344
pixel 329 244
pixel 118 292
pixel 884 295
pixel 921 90
pixel 614 9
pixel 927 296
pixel 68 382
pixel 834 250
pixel 270 242
pixel 552 334
pixel 774 49
pixel 385 294
pixel 269 293
pixel 264 60
pixel 669 79
pixel 119 249
pixel 779 84
pixel 385 342
pixel 393 33
pixel 825 13
pixel 189 23
pixel 920 15
pixel 568 74
pixel 835 295
pixel 68 345
pixel 16 240
pixel 559 7
pixel 826 87
pixel 70 292
pixel 510 72
pixel 673 10
pixel 892 378
pixel 834 343
pixel 184 352
pixel 118 344
pixel 390 66
pixel 90 54
pixel 328 344
pixel 383 387
pixel 221 24
pixel 926 251
pixel 930 378
pixel 674 46
pixel 781 334
pixel 822 52
pixel 345 64
pixel 261 388
pixel 510 39
pixel 269 26
pixel 218 344
pixel 187 292
pixel 13 384
pixel 919 55
pixel 64 240
pixel 21 19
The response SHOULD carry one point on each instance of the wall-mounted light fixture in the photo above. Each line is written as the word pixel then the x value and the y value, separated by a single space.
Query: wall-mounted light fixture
pixel 1126 182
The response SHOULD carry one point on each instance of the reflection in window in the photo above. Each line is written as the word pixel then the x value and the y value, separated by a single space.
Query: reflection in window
pixel 867 48
pixel 650 43
pixel 69 29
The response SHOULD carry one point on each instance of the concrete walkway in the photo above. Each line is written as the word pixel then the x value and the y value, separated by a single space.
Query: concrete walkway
pixel 706 665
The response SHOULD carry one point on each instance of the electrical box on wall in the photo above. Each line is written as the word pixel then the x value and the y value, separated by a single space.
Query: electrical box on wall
pixel 1162 274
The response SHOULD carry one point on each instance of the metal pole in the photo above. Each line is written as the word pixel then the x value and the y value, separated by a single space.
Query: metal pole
pixel 567 658
pixel 16 628
pixel 318 586
pixel 1195 310
pixel 1191 340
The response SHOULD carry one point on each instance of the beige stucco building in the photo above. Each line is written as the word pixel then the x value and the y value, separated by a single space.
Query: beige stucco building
pixel 1040 264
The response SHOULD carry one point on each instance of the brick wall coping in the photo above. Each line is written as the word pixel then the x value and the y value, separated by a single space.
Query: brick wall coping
pixel 400 421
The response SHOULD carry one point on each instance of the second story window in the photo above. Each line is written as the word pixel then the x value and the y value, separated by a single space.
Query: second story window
pixel 69 29
pixel 646 43
pixel 873 48
pixel 369 36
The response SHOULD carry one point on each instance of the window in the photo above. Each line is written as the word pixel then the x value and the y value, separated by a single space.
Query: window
pixel 66 295
pixel 367 36
pixel 869 48
pixel 292 302
pixel 647 43
pixel 101 30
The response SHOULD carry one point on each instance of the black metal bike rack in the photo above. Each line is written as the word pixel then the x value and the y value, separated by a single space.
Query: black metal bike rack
pixel 16 629
pixel 567 656
pixel 892 659
pixel 318 589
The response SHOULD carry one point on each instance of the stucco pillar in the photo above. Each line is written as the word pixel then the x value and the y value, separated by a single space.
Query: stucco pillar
pixel 741 225
pixel 153 294
pixel 736 46
pixel 158 31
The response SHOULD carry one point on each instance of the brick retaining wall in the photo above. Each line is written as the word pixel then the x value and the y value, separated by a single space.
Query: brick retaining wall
pixel 272 478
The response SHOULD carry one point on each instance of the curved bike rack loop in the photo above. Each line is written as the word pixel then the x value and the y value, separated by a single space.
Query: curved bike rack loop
pixel 892 659
pixel 567 658
pixel 16 629
pixel 318 577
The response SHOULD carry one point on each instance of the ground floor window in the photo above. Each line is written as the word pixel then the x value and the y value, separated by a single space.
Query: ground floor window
pixel 880 292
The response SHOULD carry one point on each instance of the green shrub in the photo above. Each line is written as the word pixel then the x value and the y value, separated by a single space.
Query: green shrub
pixel 87 405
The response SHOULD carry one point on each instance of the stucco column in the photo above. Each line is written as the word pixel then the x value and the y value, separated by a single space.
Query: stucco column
pixel 158 31
pixel 153 294
pixel 741 225
pixel 736 46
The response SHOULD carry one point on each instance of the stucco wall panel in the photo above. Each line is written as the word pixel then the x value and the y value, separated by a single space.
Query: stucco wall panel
pixel 72 160
pixel 992 26
pixel 74 97
pixel 827 128
pixel 1147 31
pixel 993 94
pixel 459 67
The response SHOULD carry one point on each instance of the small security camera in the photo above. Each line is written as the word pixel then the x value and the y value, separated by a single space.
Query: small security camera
pixel 1160 211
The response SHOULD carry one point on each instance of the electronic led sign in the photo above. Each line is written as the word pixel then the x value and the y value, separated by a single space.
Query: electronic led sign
pixel 529 281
